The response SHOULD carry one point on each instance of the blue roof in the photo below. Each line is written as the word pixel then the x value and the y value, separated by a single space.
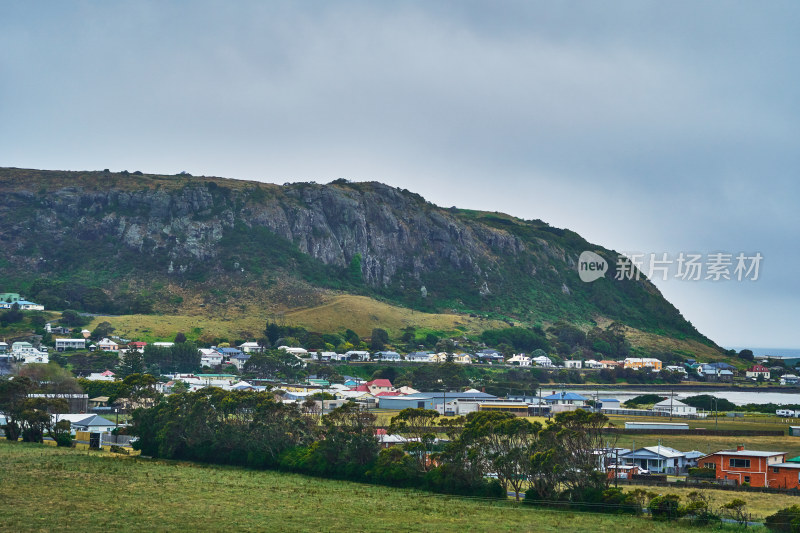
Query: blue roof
pixel 565 396
pixel 23 302
pixel 608 400
pixel 230 351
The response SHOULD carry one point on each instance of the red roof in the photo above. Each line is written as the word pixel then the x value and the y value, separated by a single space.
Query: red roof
pixel 138 344
pixel 387 393
pixel 381 431
pixel 758 368
pixel 379 383
pixel 361 388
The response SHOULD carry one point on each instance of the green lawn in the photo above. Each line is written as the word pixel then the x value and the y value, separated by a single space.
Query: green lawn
pixel 46 489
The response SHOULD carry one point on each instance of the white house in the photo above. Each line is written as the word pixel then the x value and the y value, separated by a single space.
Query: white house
pixel 789 379
pixel 591 363
pixel 462 358
pixel 658 459
pixel 543 360
pixel 26 353
pixel 297 352
pixel 419 357
pixel 758 370
pixel 70 344
pixel 520 359
pixel 356 355
pixel 210 358
pixel 574 363
pixel 674 406
pixel 25 305
pixel 85 422
pixel 101 376
pixel 108 345
pixel 251 347
pixel 387 356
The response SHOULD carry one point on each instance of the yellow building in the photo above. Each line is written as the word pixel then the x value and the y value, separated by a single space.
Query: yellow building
pixel 643 362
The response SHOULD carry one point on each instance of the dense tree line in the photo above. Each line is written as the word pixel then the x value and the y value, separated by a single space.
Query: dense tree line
pixel 251 429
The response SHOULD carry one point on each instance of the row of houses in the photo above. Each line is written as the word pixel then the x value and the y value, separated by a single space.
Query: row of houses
pixel 738 466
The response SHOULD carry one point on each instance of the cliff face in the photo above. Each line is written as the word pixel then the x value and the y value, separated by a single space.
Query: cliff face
pixel 364 237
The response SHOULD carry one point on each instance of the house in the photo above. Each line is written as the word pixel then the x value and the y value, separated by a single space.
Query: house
pixel 608 403
pixel 757 371
pixel 70 344
pixel 239 360
pixel 10 297
pixel 296 351
pixel 520 359
pixel 677 368
pixel 462 358
pixel 100 401
pixel 642 362
pixel 607 363
pixel 488 355
pixel 137 345
pixel 441 398
pixel 575 363
pixel 3 347
pixel 591 363
pixel 405 402
pixel 714 373
pixel 419 357
pixel 210 358
pixel 387 356
pixel 379 385
pixel 622 471
pixel 85 422
pixel 356 355
pixel 757 468
pixel 251 347
pixel 25 305
pixel 107 345
pixel 565 398
pixel 164 344
pixel 658 459
pixel 228 353
pixel 789 379
pixel 27 354
pixel 543 361
pixel 101 376
pixel 674 407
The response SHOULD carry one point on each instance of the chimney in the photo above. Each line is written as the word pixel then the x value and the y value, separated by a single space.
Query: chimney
pixel 554 392
pixel 740 448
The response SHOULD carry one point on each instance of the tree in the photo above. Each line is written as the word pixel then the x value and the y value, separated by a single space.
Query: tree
pixel 51 378
pixel 73 319
pixel 354 270
pixel 379 339
pixel 504 443
pixel 737 510
pixel 103 330
pixel 132 362
pixel 417 426
pixel 180 338
pixel 786 520
pixel 747 355
pixel 13 394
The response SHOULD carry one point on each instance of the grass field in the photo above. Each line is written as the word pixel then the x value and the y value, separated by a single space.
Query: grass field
pixel 359 313
pixel 46 489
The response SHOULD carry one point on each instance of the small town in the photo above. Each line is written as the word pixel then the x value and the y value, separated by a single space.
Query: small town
pixel 413 266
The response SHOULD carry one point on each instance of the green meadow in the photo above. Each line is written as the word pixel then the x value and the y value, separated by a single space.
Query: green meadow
pixel 52 489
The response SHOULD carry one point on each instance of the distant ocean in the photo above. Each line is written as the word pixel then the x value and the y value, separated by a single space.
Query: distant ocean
pixel 780 352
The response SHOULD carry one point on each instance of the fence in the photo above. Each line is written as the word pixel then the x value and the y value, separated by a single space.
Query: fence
pixel 698 432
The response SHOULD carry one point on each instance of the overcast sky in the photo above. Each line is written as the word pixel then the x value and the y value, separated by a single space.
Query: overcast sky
pixel 657 127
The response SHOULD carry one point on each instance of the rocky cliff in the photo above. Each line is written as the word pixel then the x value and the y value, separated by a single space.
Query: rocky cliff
pixel 116 231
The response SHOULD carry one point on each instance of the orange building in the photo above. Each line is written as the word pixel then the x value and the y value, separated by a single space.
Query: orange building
pixel 757 468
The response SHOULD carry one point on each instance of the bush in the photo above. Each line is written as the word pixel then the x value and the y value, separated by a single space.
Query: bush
pixel 787 520
pixel 666 507
pixel 709 473
pixel 63 440
pixel 118 449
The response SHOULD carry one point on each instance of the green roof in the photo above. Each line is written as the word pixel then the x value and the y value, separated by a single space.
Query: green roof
pixel 794 460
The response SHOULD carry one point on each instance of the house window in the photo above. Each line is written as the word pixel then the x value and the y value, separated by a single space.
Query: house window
pixel 747 479
pixel 776 469
pixel 739 463
pixel 712 466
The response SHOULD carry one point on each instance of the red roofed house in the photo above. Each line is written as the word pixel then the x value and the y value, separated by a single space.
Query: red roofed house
pixel 759 469
pixel 379 385
pixel 361 388
pixel 757 370
pixel 138 346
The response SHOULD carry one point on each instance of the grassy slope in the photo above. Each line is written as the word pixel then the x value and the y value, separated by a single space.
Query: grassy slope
pixel 359 313
pixel 45 488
